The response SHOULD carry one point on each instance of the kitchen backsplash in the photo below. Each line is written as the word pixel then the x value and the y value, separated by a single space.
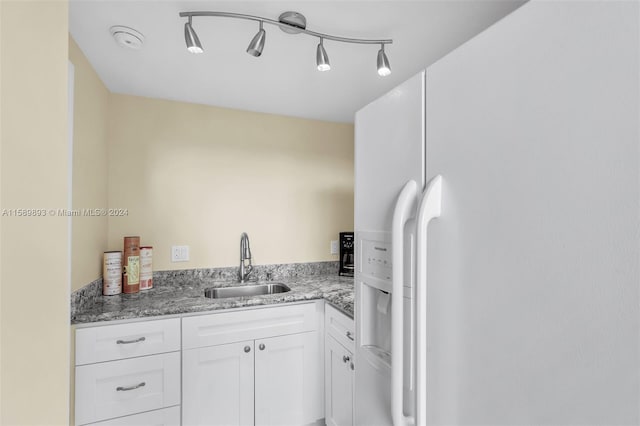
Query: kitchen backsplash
pixel 89 293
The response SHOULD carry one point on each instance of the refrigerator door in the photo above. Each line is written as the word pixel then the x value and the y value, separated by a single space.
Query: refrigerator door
pixel 533 267
pixel 389 152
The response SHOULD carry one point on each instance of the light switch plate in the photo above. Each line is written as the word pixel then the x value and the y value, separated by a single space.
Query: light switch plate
pixel 179 253
pixel 334 246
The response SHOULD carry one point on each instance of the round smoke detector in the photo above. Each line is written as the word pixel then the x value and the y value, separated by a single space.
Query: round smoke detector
pixel 295 20
pixel 127 37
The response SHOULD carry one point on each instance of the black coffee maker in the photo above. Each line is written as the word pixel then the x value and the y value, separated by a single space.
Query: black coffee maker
pixel 347 258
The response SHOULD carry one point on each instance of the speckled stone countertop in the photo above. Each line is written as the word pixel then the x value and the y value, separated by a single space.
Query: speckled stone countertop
pixel 173 295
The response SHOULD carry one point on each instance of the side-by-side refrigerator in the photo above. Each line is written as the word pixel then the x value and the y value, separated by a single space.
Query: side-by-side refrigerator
pixel 497 218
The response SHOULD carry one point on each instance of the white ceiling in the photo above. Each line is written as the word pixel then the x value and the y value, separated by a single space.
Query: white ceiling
pixel 284 80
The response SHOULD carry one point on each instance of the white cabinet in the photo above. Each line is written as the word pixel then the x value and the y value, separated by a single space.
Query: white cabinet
pixel 338 384
pixel 218 385
pixel 288 380
pixel 128 340
pixel 127 369
pixel 338 368
pixel 165 417
pixel 128 386
pixel 271 374
pixel 340 327
pixel 249 324
pixel 260 366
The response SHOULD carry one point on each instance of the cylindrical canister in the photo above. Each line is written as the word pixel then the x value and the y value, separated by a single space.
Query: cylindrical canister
pixel 146 268
pixel 131 270
pixel 112 273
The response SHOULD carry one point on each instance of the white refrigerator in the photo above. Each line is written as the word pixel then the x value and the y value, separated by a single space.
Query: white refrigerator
pixel 509 294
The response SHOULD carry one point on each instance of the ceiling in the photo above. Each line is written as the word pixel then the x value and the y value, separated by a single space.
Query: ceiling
pixel 284 80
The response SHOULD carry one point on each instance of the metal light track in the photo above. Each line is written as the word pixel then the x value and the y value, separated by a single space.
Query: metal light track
pixel 285 25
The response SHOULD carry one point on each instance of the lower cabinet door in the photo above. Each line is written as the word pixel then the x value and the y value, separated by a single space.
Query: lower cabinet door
pixel 288 380
pixel 217 385
pixel 338 384
pixel 165 417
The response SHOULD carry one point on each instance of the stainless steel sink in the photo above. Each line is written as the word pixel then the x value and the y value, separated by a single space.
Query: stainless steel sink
pixel 245 290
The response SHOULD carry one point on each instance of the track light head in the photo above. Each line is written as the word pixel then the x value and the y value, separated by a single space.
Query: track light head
pixel 191 39
pixel 257 43
pixel 322 59
pixel 384 69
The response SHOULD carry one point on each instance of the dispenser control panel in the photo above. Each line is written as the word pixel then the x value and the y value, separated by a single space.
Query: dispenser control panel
pixel 376 259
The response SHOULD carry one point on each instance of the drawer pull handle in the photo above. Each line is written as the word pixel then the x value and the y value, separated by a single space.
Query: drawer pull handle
pixel 349 336
pixel 127 342
pixel 345 359
pixel 128 388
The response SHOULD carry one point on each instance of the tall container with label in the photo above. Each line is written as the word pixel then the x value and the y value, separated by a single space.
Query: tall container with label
pixel 112 273
pixel 131 270
pixel 146 268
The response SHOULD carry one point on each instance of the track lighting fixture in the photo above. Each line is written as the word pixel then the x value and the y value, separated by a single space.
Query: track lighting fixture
pixel 257 43
pixel 322 59
pixel 291 23
pixel 384 69
pixel 191 38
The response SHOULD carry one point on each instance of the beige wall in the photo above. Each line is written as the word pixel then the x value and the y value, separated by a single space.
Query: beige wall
pixel 34 282
pixel 199 176
pixel 1 115
pixel 89 233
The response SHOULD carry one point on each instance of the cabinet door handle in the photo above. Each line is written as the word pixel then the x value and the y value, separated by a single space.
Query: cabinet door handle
pixel 128 388
pixel 345 359
pixel 127 342
pixel 261 346
pixel 352 366
pixel 247 349
pixel 350 336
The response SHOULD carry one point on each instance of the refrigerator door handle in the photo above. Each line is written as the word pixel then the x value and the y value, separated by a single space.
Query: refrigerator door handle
pixel 430 208
pixel 401 214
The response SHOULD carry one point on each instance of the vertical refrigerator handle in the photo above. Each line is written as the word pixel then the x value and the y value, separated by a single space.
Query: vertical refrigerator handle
pixel 401 214
pixel 430 208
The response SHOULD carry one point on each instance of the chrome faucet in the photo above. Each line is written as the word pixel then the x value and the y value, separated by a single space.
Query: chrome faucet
pixel 245 254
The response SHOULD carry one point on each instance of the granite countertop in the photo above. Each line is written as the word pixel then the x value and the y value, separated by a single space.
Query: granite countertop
pixel 181 295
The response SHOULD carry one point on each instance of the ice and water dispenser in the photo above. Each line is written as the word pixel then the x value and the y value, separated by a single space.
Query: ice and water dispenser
pixel 374 280
pixel 375 300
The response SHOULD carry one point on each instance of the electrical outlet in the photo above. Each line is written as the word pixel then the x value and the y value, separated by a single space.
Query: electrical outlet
pixel 334 246
pixel 179 253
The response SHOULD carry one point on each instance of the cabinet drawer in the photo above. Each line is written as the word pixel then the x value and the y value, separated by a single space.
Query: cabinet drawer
pixel 164 417
pixel 112 342
pixel 119 388
pixel 340 327
pixel 222 328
